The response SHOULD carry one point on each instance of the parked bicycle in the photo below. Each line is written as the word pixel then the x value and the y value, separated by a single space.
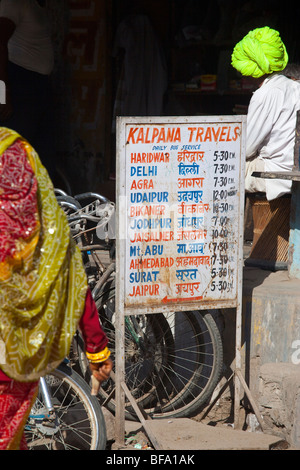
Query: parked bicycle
pixel 65 415
pixel 173 361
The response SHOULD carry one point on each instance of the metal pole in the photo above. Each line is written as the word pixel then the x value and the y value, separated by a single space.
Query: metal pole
pixel 238 337
pixel 238 365
pixel 119 313
pixel 120 378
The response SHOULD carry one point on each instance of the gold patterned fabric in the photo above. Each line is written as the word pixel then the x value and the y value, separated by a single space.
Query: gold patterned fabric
pixel 43 284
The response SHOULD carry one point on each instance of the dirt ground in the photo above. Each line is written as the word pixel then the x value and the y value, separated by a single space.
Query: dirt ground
pixel 214 431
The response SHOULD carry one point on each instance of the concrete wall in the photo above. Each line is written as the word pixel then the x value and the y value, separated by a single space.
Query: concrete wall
pixel 271 348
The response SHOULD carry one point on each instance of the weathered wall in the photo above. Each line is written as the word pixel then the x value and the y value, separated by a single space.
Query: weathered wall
pixel 271 348
pixel 87 52
pixel 271 307
pixel 82 94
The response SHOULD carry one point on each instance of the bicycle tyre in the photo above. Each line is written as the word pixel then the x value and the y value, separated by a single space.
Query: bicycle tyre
pixel 190 361
pixel 79 422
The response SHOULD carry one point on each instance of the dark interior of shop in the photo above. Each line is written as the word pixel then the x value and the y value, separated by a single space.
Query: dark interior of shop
pixel 174 56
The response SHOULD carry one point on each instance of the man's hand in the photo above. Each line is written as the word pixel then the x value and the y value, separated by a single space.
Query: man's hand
pixel 100 372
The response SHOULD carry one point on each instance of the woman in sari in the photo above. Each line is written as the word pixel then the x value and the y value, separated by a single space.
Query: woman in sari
pixel 44 295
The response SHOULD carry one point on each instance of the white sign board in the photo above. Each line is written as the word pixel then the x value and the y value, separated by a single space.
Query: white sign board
pixel 180 212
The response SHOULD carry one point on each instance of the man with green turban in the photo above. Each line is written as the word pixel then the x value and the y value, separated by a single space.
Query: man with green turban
pixel 272 112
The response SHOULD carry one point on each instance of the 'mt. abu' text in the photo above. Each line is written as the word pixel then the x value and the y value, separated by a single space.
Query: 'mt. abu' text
pixel 151 135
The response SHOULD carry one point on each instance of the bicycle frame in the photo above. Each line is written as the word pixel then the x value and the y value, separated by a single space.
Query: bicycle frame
pixel 46 396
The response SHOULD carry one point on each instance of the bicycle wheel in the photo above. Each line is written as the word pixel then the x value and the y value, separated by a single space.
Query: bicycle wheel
pixel 173 361
pixel 77 422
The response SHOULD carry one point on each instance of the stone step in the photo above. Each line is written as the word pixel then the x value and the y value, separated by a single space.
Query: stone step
pixel 187 434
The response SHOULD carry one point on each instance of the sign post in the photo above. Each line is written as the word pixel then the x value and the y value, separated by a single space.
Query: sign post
pixel 180 205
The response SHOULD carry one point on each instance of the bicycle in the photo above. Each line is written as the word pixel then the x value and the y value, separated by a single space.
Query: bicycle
pixel 65 416
pixel 173 361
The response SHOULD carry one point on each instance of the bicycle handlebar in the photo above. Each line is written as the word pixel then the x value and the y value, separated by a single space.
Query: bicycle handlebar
pixel 87 195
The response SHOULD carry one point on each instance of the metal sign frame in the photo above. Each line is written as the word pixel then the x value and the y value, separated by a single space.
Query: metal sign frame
pixel 222 131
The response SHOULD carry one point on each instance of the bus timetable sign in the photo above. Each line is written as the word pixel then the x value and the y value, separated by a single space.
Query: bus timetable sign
pixel 180 212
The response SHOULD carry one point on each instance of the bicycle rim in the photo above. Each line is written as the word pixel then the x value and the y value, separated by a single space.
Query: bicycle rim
pixel 78 423
pixel 174 367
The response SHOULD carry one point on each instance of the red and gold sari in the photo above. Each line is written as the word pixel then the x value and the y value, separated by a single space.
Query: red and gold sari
pixel 16 400
pixel 43 284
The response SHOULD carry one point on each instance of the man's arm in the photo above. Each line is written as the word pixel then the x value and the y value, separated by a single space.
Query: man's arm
pixel 262 113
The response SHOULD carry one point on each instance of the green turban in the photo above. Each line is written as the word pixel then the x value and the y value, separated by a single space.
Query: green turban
pixel 260 52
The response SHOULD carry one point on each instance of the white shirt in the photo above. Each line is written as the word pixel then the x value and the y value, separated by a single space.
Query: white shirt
pixel 30 45
pixel 271 123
